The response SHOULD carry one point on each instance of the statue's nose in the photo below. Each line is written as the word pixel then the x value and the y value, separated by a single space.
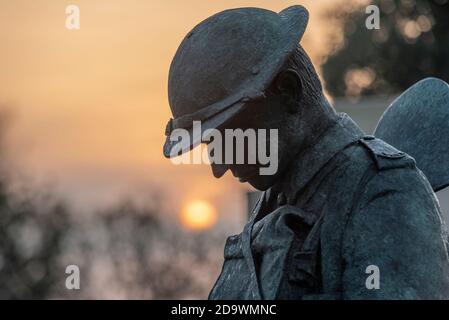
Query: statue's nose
pixel 219 169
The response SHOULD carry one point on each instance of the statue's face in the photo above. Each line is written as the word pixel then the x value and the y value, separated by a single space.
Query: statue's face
pixel 266 115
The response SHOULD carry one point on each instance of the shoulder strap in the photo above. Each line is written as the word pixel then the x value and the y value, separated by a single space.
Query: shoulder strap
pixel 384 155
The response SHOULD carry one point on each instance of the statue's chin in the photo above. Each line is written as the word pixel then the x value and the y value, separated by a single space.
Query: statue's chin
pixel 260 183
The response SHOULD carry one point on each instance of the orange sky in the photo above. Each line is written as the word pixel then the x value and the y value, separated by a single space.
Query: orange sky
pixel 90 106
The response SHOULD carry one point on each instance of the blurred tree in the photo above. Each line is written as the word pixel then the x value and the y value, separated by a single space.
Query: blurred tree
pixel 123 252
pixel 29 249
pixel 412 43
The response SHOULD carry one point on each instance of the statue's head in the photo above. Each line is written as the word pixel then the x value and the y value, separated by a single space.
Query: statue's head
pixel 241 83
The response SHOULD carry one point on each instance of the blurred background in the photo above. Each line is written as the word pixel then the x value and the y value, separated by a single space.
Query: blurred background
pixel 82 118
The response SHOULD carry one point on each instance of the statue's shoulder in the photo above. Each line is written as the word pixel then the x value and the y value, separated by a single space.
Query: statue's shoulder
pixel 393 170
pixel 384 155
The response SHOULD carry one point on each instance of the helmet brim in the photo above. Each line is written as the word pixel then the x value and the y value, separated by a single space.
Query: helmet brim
pixel 176 143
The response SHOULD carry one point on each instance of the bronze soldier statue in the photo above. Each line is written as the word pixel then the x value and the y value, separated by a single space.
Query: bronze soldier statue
pixel 342 203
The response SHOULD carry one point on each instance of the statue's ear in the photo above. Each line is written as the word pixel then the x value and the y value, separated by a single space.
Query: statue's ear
pixel 288 85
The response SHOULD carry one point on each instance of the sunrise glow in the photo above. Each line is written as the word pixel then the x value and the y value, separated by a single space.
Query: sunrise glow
pixel 198 215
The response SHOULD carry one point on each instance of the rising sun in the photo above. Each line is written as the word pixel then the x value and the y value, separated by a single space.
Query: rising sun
pixel 198 215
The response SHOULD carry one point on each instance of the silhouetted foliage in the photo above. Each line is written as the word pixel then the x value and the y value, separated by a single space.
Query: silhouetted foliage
pixel 124 252
pixel 30 244
pixel 412 43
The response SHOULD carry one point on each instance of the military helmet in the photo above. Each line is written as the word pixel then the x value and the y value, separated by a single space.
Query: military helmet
pixel 225 62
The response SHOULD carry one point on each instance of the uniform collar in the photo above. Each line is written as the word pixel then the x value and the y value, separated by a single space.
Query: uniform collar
pixel 309 162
